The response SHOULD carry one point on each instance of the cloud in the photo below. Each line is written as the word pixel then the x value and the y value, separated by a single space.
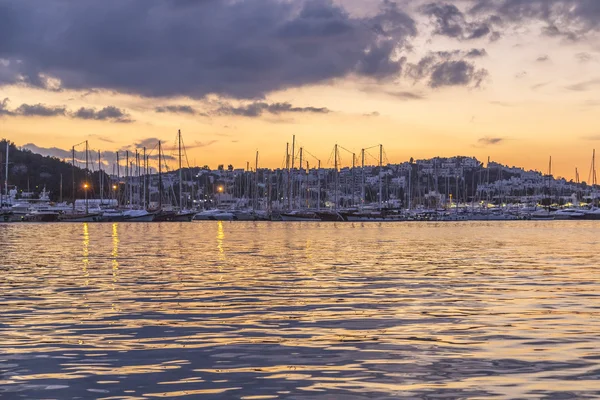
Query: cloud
pixel 257 109
pixel 584 86
pixel 156 48
pixel 570 19
pixel 4 108
pixel 177 109
pixel 475 53
pixel 543 58
pixel 592 137
pixel 372 114
pixel 450 21
pixel 540 85
pixel 447 68
pixel 501 103
pixel 584 57
pixel 109 113
pixel 405 95
pixel 39 110
pixel 488 141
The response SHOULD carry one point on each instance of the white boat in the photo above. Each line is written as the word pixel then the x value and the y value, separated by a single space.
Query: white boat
pixel 569 213
pixel 138 216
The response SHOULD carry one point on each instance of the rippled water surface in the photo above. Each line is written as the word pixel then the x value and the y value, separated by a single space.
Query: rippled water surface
pixel 300 310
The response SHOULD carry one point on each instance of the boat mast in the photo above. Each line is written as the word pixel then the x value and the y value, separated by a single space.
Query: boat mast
pixel 6 172
pixel 292 194
pixel 118 181
pixel 336 176
pixel 127 176
pixel 287 167
pixel 256 182
pixel 319 186
pixel 300 192
pixel 353 180
pixel 73 173
pixel 145 178
pixel 180 171
pixel 87 173
pixel 159 176
pixel 362 189
pixel 100 177
pixel 380 177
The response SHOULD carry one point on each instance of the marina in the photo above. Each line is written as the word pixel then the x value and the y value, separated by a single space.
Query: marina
pixel 421 190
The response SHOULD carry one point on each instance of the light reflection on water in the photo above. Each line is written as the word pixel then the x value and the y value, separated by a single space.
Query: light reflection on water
pixel 300 310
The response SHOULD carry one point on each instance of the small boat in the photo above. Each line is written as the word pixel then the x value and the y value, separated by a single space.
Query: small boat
pixel 138 216
pixel 80 217
pixel 293 216
pixel 542 215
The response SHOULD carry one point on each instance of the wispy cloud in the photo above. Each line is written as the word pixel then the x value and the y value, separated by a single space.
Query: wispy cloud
pixel 257 109
pixel 490 141
pixel 591 137
pixel 583 86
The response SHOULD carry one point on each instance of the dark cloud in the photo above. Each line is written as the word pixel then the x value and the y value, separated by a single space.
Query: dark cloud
pixel 257 109
pixel 487 141
pixel 177 109
pixel 475 53
pixel 450 21
pixel 445 68
pixel 148 143
pixel 570 19
pixel 109 113
pixel 4 108
pixel 165 48
pixel 39 110
pixel 543 58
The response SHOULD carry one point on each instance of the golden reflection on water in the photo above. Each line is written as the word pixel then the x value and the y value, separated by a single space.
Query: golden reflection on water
pixel 220 239
pixel 115 253
pixel 468 310
pixel 86 253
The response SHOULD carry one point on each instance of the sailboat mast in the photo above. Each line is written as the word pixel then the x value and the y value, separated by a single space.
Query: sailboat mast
pixel 180 171
pixel 380 177
pixel 159 176
pixel 300 192
pixel 292 192
pixel 73 173
pixel 336 177
pixel 362 189
pixel 319 186
pixel 86 178
pixel 353 180
pixel 256 182
pixel 287 167
pixel 6 172
pixel 145 175
pixel 100 177
pixel 118 181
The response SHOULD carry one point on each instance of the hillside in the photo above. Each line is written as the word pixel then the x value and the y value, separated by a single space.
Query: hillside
pixel 34 171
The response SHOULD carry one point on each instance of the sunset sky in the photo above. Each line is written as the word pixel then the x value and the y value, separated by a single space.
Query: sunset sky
pixel 516 80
